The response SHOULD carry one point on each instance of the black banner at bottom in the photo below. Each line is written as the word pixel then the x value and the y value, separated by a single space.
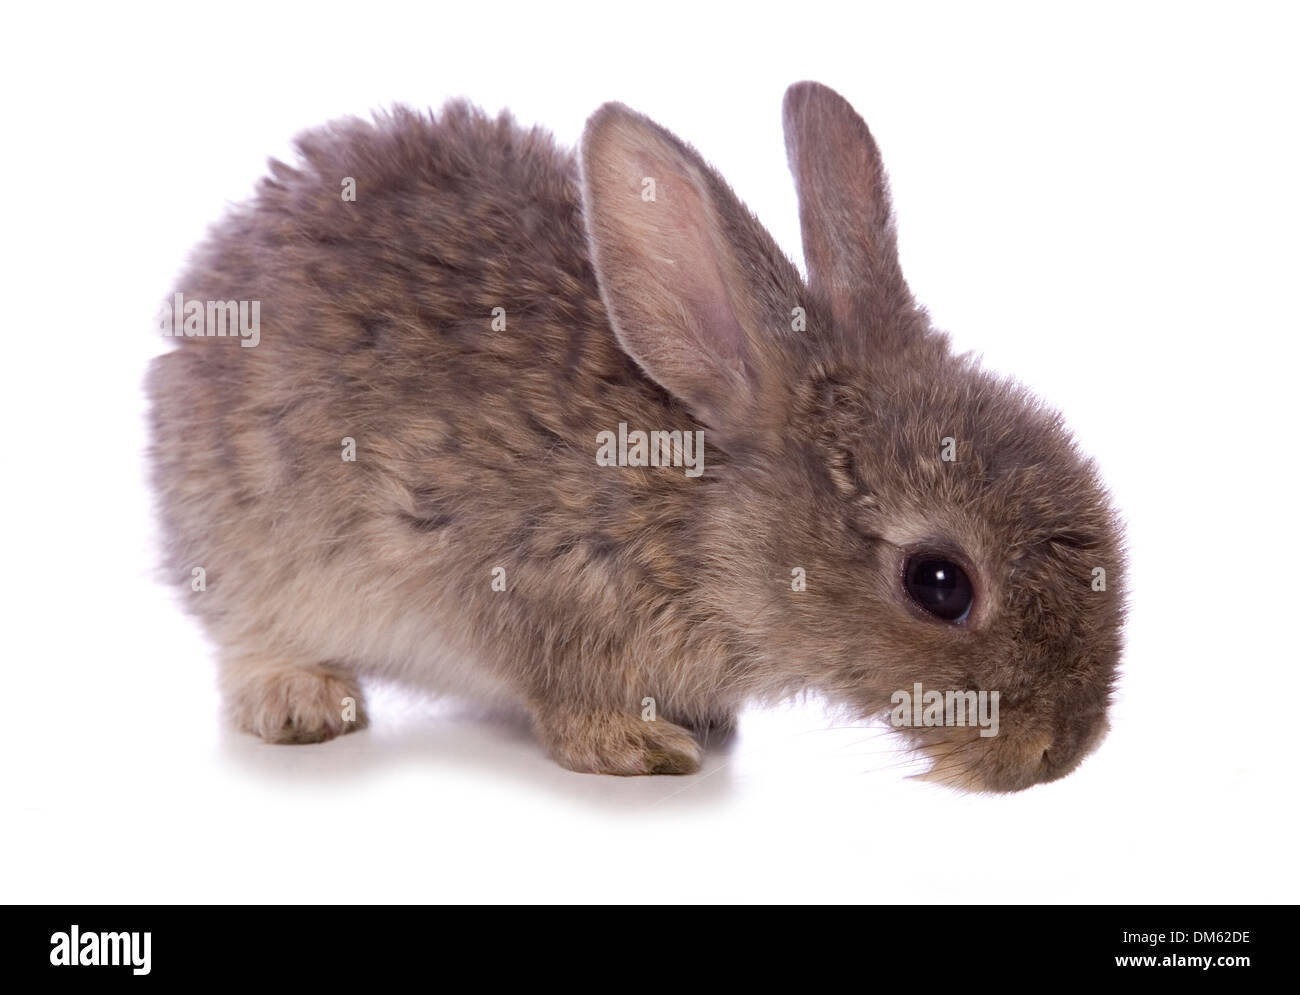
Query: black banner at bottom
pixel 130 946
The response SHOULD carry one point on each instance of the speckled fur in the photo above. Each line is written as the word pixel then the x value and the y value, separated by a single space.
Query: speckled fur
pixel 476 449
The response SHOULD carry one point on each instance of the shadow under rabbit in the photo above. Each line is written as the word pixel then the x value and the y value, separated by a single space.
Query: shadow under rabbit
pixel 406 729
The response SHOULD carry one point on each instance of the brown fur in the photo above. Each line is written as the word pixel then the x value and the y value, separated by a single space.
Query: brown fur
pixel 476 449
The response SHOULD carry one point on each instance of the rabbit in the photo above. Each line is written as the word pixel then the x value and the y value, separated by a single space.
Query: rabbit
pixel 400 478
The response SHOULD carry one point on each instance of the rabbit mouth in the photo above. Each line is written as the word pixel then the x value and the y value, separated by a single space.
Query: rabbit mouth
pixel 962 760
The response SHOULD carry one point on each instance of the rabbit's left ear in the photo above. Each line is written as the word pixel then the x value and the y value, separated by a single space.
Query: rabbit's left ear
pixel 844 208
pixel 696 289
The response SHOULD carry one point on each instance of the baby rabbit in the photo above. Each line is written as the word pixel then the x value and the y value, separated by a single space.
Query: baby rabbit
pixel 424 454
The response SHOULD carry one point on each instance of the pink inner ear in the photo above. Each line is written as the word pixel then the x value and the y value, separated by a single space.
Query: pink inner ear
pixel 676 314
pixel 697 279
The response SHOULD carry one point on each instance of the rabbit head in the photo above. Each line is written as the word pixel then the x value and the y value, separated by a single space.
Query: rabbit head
pixel 881 518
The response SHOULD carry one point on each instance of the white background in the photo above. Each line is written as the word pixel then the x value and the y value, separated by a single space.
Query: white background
pixel 1100 198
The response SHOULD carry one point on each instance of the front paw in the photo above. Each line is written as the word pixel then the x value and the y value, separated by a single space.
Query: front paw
pixel 619 743
pixel 285 703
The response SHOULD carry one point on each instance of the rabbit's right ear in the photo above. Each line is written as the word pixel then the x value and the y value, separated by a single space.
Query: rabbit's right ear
pixel 695 287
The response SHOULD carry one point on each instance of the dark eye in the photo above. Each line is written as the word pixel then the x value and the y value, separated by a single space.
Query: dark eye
pixel 939 586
